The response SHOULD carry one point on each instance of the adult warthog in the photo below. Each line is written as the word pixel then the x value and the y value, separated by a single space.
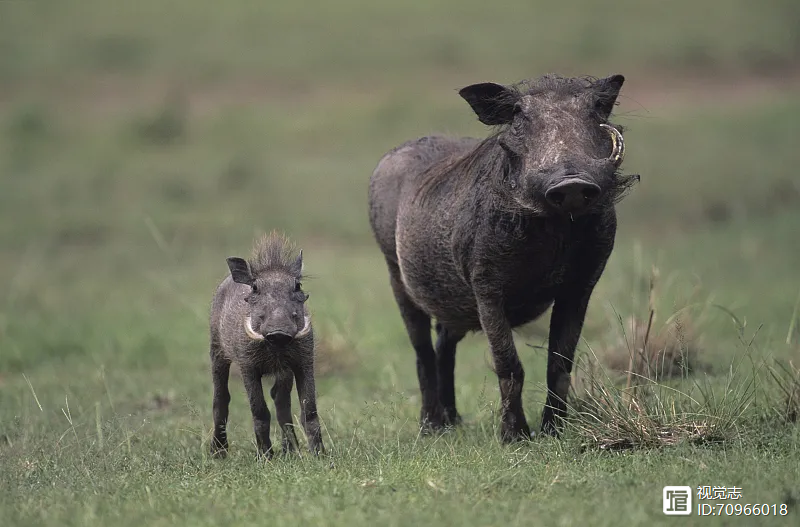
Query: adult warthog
pixel 488 234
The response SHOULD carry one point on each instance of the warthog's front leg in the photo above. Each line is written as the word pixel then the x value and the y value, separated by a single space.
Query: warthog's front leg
pixel 258 407
pixel 282 395
pixel 566 321
pixel 306 392
pixel 507 366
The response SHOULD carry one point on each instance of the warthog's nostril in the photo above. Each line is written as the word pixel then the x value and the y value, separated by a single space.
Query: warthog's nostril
pixel 278 338
pixel 572 194
pixel 590 193
pixel 556 197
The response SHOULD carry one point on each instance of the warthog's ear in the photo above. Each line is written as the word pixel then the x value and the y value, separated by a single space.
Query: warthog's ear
pixel 240 271
pixel 492 103
pixel 297 266
pixel 607 91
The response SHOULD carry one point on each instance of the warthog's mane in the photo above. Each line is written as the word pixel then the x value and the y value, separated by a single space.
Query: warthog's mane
pixel 273 252
pixel 486 159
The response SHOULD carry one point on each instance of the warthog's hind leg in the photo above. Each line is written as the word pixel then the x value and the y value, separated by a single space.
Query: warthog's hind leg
pixel 418 326
pixel 446 342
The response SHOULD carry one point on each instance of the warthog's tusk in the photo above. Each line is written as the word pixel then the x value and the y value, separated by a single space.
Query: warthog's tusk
pixel 618 144
pixel 248 328
pixel 306 328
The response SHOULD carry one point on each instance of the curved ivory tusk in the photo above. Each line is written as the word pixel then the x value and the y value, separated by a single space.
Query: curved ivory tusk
pixel 248 328
pixel 618 144
pixel 306 328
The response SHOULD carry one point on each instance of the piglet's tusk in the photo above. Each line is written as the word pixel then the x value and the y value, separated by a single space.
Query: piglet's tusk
pixel 248 328
pixel 306 328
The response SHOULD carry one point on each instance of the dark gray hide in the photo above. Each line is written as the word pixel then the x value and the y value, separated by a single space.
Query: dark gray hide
pixel 488 234
pixel 259 320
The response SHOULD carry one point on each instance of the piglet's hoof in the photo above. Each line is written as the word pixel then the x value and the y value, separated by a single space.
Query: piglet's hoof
pixel 266 455
pixel 218 450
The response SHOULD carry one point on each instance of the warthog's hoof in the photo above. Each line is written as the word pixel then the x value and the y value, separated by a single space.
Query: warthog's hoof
pixel 430 427
pixel 218 451
pixel 431 419
pixel 266 455
pixel 549 428
pixel 219 447
pixel 513 434
pixel 452 417
pixel 288 447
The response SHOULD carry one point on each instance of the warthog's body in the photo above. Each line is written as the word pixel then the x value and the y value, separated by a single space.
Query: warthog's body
pixel 259 321
pixel 488 234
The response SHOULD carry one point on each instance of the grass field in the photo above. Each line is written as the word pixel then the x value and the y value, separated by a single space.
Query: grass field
pixel 140 146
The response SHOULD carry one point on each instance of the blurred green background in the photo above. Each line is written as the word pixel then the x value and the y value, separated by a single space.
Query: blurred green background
pixel 141 143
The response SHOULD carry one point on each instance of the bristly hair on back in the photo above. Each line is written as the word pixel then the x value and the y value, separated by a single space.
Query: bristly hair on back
pixel 274 252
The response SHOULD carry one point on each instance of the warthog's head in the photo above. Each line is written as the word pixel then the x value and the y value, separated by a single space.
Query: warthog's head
pixel 276 310
pixel 562 153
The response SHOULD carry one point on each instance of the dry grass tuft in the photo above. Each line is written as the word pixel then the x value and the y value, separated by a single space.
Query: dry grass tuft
pixel 670 352
pixel 645 409
pixel 642 350
pixel 610 417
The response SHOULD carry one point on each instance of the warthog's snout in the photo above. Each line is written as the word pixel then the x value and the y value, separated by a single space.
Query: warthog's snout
pixel 572 194
pixel 278 338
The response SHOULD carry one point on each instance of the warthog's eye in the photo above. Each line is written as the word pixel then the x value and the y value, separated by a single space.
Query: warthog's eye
pixel 297 285
pixel 253 292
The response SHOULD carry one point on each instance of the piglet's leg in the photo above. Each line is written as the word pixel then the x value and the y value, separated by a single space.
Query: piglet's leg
pixel 282 395
pixel 258 407
pixel 306 391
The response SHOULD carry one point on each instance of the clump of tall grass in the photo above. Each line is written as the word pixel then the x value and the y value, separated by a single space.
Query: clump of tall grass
pixel 661 400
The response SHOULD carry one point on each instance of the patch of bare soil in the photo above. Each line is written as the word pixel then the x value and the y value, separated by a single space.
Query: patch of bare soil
pixel 644 93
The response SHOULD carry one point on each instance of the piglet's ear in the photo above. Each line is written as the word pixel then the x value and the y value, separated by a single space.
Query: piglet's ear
pixel 297 266
pixel 492 103
pixel 240 271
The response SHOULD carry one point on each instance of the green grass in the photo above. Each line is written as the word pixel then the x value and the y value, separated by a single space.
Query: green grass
pixel 141 146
